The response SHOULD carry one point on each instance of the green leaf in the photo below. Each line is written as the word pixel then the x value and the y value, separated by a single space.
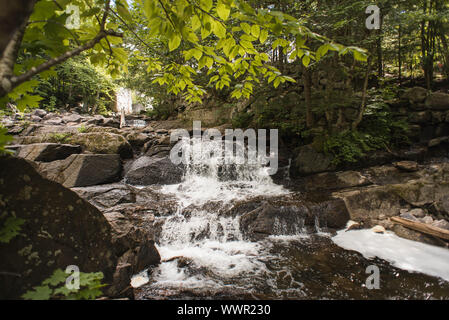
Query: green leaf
pixel 263 36
pixel 39 293
pixel 255 30
pixel 174 42
pixel 219 29
pixel 223 11
pixel 196 23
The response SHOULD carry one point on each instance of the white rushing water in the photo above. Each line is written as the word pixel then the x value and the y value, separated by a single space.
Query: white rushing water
pixel 212 241
pixel 401 253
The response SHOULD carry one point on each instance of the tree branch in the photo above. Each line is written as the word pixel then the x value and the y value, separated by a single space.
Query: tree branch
pixel 15 81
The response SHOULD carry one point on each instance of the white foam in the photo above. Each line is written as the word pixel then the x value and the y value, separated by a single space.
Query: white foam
pixel 140 279
pixel 401 253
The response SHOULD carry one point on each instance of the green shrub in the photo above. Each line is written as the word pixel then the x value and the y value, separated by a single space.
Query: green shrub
pixel 60 137
pixel 54 287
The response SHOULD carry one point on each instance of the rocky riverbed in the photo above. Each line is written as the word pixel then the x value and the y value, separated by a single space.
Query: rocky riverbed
pixel 114 200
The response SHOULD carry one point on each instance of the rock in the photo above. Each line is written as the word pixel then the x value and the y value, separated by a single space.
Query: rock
pixel 408 166
pixel 418 213
pixel 151 150
pixel 269 220
pixel 72 118
pixel 443 224
pixel 389 175
pixel 96 120
pixel 60 229
pixel 409 234
pixel 438 117
pixel 154 170
pixel 370 203
pixel 427 220
pixel 408 216
pixel 437 141
pixel 378 229
pixel 40 113
pixel 415 95
pixel 334 181
pixel 54 121
pixel 309 161
pixel 35 118
pixel 438 101
pixel 420 117
pixel 47 152
pixel 137 139
pixel 107 196
pixel 83 170
pixel 103 143
pixel 331 213
pixel 161 131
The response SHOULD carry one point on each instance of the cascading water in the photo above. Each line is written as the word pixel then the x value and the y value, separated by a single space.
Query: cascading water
pixel 214 242
pixel 205 254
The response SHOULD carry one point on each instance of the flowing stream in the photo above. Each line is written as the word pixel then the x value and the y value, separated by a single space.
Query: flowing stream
pixel 206 255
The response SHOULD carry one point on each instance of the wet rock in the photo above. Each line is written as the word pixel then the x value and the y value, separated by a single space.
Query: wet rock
pixel 268 220
pixel 59 229
pixel 82 170
pixel 154 170
pixel 408 166
pixel 103 143
pixel 438 101
pixel 47 152
pixel 330 213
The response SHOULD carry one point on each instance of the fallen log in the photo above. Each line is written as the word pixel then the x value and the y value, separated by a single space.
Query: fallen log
pixel 422 227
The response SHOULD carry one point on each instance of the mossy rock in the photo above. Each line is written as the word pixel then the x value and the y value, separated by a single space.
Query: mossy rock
pixel 103 143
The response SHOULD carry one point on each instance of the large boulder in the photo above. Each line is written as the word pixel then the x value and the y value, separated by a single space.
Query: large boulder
pixel 438 101
pixel 82 170
pixel 59 229
pixel 103 143
pixel 107 195
pixel 415 95
pixel 269 220
pixel 154 170
pixel 309 161
pixel 47 152
pixel 368 204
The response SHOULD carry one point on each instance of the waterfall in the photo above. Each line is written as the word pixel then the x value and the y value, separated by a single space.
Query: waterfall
pixel 212 240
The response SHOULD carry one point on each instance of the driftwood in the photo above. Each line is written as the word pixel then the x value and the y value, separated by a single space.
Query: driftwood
pixel 422 227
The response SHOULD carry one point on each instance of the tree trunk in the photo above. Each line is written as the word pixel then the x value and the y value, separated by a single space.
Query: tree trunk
pixel 307 79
